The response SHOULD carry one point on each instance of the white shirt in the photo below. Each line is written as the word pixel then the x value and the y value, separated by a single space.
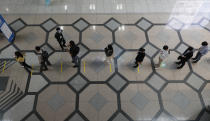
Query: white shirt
pixel 164 54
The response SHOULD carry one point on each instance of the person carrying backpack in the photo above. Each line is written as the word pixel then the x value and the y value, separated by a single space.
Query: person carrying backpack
pixel 43 59
pixel 109 53
pixel 74 51
pixel 59 37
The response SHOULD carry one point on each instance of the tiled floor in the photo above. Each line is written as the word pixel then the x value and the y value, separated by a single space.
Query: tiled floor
pixel 98 91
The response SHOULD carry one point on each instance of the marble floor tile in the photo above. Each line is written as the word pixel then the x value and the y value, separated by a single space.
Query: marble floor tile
pixel 17 25
pixel 117 82
pixel 49 25
pixel 37 82
pixel 81 25
pixel 112 24
pixel 195 81
pixel 78 83
pixel 156 82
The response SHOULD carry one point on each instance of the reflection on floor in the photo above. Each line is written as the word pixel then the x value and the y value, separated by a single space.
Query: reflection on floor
pixel 98 91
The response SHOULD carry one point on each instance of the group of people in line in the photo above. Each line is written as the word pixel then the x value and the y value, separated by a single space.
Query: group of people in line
pixel 109 52
pixel 182 59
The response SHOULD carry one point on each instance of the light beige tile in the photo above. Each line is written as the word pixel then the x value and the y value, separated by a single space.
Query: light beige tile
pixel 130 38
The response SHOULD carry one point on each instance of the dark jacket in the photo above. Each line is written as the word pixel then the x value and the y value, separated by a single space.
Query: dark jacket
pixel 59 36
pixel 188 54
pixel 108 51
pixel 140 57
pixel 74 51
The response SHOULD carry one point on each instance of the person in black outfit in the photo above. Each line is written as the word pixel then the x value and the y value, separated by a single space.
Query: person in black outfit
pixel 60 38
pixel 74 50
pixel 43 58
pixel 20 58
pixel 140 57
pixel 109 53
pixel 188 54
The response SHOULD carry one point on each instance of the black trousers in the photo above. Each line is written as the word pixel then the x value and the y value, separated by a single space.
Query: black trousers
pixel 181 63
pixel 25 65
pixel 43 66
pixel 62 43
pixel 197 57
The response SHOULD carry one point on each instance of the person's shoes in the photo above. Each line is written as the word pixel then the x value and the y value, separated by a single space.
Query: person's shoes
pixel 194 62
pixel 75 66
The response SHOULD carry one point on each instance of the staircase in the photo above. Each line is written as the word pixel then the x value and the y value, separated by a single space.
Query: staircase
pixel 7 65
pixel 10 96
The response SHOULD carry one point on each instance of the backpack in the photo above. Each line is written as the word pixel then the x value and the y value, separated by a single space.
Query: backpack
pixel 45 55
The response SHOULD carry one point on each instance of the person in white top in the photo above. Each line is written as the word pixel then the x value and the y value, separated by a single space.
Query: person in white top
pixel 163 55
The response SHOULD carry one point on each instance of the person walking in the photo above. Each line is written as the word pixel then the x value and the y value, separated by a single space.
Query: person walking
pixel 59 37
pixel 164 53
pixel 109 53
pixel 203 50
pixel 184 57
pixel 43 58
pixel 139 58
pixel 20 58
pixel 74 51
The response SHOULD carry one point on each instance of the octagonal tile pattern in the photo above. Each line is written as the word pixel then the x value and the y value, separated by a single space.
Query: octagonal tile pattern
pixel 29 37
pixel 98 102
pixel 163 35
pixel 54 100
pixel 97 38
pixel 194 35
pixel 69 34
pixel 62 68
pixel 125 67
pixel 95 68
pixel 181 101
pixel 140 102
pixel 130 38
pixel 98 91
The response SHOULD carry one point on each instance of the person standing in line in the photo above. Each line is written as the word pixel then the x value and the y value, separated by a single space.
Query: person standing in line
pixel 20 58
pixel 74 51
pixel 43 58
pixel 109 53
pixel 184 57
pixel 140 57
pixel 59 37
pixel 203 50
pixel 164 53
